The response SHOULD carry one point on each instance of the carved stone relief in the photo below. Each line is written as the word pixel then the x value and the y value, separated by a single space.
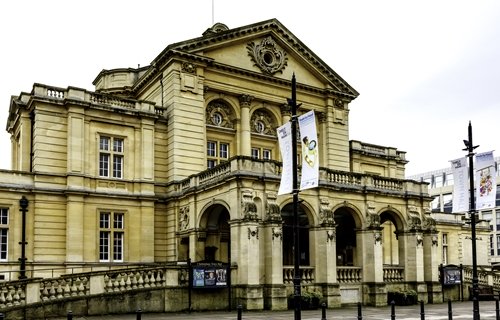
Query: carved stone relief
pixel 248 205
pixel 183 218
pixel 277 233
pixel 262 123
pixel 372 218
pixel 253 232
pixel 273 212
pixel 325 213
pixel 219 114
pixel 268 56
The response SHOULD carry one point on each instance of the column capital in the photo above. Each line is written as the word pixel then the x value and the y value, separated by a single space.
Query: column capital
pixel 245 100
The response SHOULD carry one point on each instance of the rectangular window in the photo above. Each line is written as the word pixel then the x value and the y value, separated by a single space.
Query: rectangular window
pixel 435 204
pixel 224 150
pixel 4 233
pixel 498 245
pixel 111 157
pixel 449 179
pixel 445 248
pixel 255 153
pixel 217 152
pixel 492 247
pixel 211 148
pixel 497 215
pixel 438 181
pixel 266 154
pixel 111 226
pixel 447 203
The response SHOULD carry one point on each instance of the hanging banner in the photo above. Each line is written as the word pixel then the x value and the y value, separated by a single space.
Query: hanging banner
pixel 486 185
pixel 460 185
pixel 310 155
pixel 285 142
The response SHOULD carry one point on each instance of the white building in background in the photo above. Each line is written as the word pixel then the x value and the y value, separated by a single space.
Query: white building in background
pixel 441 188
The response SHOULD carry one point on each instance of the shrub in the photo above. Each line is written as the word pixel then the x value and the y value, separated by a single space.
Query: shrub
pixel 402 297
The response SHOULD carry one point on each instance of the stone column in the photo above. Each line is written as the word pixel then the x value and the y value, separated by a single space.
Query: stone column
pixel 431 267
pixel 247 236
pixel 370 256
pixel 245 135
pixel 286 113
pixel 411 251
pixel 275 297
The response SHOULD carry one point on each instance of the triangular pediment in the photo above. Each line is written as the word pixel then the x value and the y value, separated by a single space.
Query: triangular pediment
pixel 266 48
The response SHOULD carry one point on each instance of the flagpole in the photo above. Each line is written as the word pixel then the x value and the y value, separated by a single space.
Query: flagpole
pixel 296 271
pixel 472 212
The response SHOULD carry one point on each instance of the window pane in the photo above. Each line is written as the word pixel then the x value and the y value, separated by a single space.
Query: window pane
pixel 104 220
pixel 211 164
pixel 104 165
pixel 104 143
pixel 3 243
pixel 117 166
pixel 211 148
pixel 266 154
pixel 224 150
pixel 4 216
pixel 118 246
pixel 118 222
pixel 104 246
pixel 255 153
pixel 118 145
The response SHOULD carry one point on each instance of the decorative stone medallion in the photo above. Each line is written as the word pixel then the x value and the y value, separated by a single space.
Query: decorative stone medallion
pixel 268 56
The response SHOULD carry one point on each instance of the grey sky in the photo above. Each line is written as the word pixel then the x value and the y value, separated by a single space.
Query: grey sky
pixel 423 68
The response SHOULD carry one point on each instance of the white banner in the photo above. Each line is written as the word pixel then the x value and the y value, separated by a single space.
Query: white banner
pixel 285 142
pixel 460 185
pixel 310 155
pixel 485 183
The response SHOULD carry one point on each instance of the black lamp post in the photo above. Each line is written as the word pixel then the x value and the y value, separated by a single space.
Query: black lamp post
pixel 472 212
pixel 296 270
pixel 23 203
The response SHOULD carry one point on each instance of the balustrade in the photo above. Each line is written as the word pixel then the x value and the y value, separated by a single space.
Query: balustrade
pixel 349 274
pixel 306 275
pixel 393 274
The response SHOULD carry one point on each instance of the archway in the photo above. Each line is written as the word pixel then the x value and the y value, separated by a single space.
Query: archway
pixel 303 223
pixel 346 237
pixel 390 243
pixel 215 226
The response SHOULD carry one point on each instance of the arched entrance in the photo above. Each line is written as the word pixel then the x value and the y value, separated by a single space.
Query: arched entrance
pixel 303 223
pixel 346 237
pixel 214 225
pixel 390 243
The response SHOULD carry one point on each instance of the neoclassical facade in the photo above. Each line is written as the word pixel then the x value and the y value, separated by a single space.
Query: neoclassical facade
pixel 180 160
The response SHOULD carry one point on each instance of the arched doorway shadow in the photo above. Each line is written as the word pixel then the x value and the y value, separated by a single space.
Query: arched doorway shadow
pixel 303 229
pixel 214 228
pixel 345 237
pixel 391 225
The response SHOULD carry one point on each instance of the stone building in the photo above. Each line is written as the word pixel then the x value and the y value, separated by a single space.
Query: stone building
pixel 179 160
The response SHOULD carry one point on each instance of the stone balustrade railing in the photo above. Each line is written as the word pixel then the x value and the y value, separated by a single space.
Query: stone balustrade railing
pixel 33 290
pixel 306 274
pixel 72 93
pixel 246 166
pixel 349 275
pixel 393 274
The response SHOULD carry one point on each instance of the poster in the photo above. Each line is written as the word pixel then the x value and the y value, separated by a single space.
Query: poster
pixel 460 185
pixel 310 154
pixel 209 275
pixel 485 181
pixel 285 143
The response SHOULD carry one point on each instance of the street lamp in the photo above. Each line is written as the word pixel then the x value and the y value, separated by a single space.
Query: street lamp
pixel 472 212
pixel 296 270
pixel 23 203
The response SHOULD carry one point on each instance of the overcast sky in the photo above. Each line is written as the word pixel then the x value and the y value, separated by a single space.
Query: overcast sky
pixel 423 69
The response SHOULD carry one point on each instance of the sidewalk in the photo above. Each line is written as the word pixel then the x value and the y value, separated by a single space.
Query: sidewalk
pixel 460 310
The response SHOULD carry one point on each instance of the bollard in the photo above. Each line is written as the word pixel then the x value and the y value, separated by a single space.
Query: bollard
pixel 323 311
pixel 497 309
pixel 360 317
pixel 70 315
pixel 393 310
pixel 240 310
pixel 422 313
pixel 2 316
pixel 450 312
pixel 138 314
